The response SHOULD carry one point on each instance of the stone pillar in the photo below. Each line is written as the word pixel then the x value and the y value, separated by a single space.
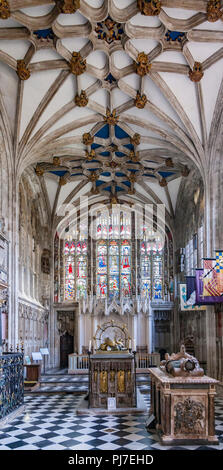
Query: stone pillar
pixel 149 330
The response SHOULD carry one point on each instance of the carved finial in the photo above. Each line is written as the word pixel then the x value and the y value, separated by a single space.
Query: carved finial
pixel 22 70
pixel 196 74
pixel 163 182
pixel 169 163
pixel 140 100
pixel 90 155
pixel 131 191
pixel 81 100
pixel 5 12
pixel 77 64
pixel 214 12
pixel 149 8
pixel 87 138
pixel 111 118
pixel 135 139
pixel 68 6
pixel 142 66
pixel 39 170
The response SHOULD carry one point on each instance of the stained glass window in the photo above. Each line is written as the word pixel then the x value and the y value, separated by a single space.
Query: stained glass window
pixel 75 273
pixel 151 269
pixel 113 254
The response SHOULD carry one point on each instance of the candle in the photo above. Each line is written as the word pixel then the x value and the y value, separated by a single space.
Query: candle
pixel 134 345
pixel 89 345
pixel 130 344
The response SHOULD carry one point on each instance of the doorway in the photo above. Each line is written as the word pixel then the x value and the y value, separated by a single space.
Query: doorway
pixel 66 348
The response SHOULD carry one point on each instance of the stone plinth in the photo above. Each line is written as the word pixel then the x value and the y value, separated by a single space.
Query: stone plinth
pixel 183 408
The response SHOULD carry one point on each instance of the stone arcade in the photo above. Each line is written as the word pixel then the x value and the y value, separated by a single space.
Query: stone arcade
pixel 111 136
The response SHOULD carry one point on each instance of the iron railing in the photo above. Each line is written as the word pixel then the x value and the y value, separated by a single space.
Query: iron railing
pixel 11 382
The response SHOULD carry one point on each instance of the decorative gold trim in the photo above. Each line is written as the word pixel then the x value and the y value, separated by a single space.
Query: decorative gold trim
pixel 82 99
pixel 142 66
pixel 103 381
pixel 77 64
pixel 214 12
pixel 196 74
pixel 87 138
pixel 152 8
pixel 121 381
pixel 140 100
pixel 68 6
pixel 5 12
pixel 22 70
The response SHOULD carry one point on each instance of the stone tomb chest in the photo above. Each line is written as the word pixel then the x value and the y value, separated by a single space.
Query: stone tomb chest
pixel 182 401
pixel 112 374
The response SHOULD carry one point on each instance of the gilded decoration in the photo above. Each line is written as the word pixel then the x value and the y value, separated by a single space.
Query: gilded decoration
pixel 196 74
pixel 4 10
pixel 134 156
pixel 121 381
pixel 214 12
pixel 103 381
pixel 163 182
pixel 135 139
pixel 140 100
pixel 149 7
pixel 82 99
pixel 22 70
pixel 39 170
pixel 111 336
pixel 93 177
pixel 142 65
pixel 111 117
pixel 189 417
pixel 56 161
pixel 90 155
pixel 95 376
pixel 68 6
pixel 169 163
pixel 77 64
pixel 62 180
pixel 109 30
pixel 87 138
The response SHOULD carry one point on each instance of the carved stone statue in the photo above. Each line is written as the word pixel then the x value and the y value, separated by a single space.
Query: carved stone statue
pixel 181 364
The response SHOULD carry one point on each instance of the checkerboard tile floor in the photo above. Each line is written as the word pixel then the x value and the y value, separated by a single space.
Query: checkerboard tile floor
pixel 50 423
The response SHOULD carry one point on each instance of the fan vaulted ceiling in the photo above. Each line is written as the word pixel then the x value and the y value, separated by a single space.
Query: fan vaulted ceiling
pixel 113 98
